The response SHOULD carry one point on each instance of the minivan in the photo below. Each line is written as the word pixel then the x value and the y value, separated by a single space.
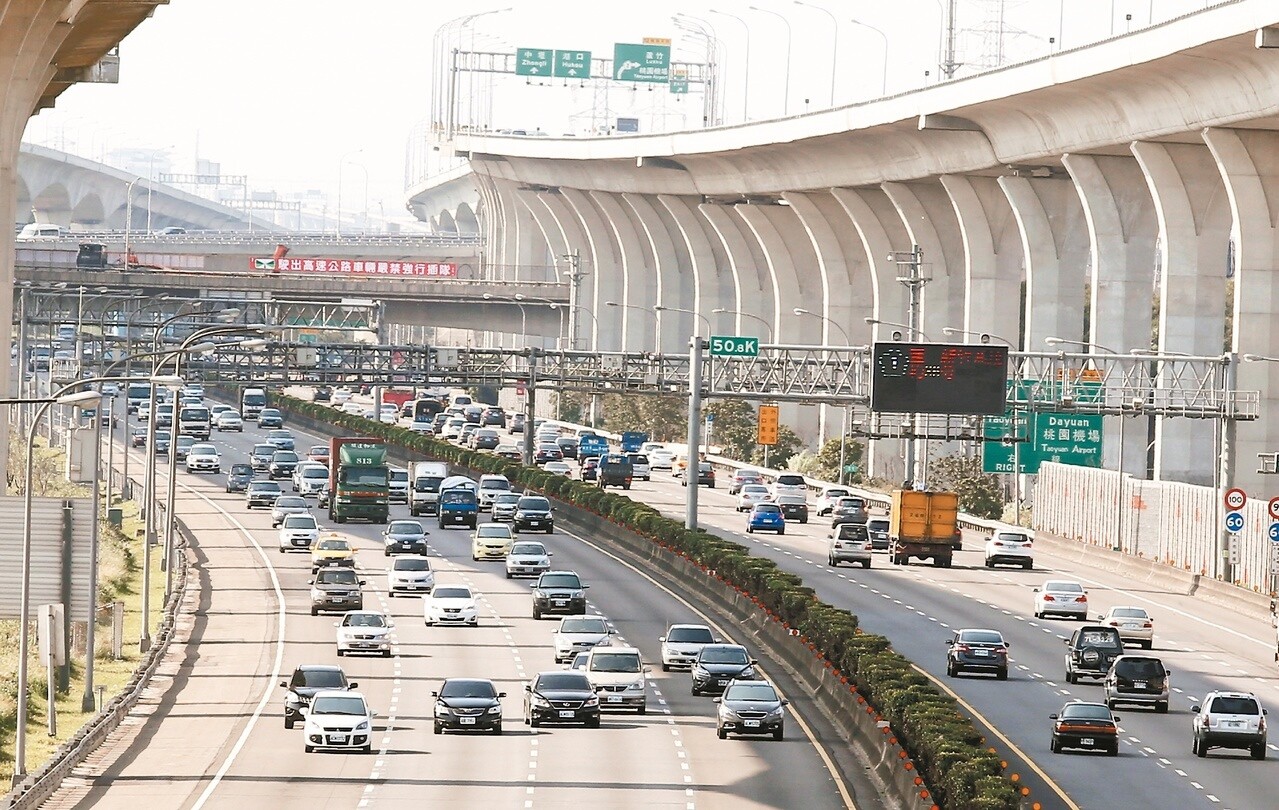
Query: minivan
pixel 40 230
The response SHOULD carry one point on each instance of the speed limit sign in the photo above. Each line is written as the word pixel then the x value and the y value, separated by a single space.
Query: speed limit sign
pixel 1273 507
pixel 1235 498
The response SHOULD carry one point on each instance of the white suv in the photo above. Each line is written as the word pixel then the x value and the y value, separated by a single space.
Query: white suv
pixel 1010 548
pixel 789 484
pixel 1229 720
pixel 299 531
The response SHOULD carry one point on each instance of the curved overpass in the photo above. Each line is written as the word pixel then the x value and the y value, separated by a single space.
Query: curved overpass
pixel 1101 186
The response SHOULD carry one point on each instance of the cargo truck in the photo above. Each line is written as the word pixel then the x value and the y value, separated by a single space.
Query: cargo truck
pixel 359 480
pixel 633 441
pixel 252 401
pixel 425 478
pixel 922 524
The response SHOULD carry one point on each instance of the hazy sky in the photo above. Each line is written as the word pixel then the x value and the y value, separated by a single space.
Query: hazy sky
pixel 286 90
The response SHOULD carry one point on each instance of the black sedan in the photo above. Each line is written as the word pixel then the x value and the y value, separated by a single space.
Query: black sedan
pixel 561 697
pixel 1090 726
pixel 977 651
pixel 750 707
pixel 718 664
pixel 283 463
pixel 306 681
pixel 468 704
pixel 794 507
pixel 568 446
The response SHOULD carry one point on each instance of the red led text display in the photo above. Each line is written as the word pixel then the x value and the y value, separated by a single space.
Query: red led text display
pixel 942 378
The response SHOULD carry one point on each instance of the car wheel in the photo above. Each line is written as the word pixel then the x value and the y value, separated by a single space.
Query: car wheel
pixel 749 530
pixel 533 721
pixel 1028 566
pixel 497 730
pixel 386 653
pixel 439 729
pixel 341 652
pixel 1070 677
pixel 696 692
pixel 288 722
pixel 537 614
pixel 866 564
pixel 779 733
pixel 1054 746
pixel 643 709
pixel 549 529
pixel 430 623
pixel 950 669
pixel 1110 704
pixel 831 562
pixel 721 733
pixel 281 549
pixel 315 612
pixel 508 574
pixel 1258 750
pixel 781 531
pixel 1161 708
pixel 666 667
pixel 990 563
pixel 594 722
pixel 310 749
pixel 1002 674
pixel 1114 750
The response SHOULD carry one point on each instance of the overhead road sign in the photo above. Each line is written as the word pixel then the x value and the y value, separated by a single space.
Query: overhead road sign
pixel 573 64
pixel 641 63
pixel 365 267
pixel 734 346
pixel 533 61
pixel 1064 438
pixel 942 378
pixel 679 81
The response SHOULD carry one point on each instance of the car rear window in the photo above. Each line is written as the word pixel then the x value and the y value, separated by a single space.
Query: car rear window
pixel 1234 705
pixel 1139 668
pixel 980 637
pixel 791 480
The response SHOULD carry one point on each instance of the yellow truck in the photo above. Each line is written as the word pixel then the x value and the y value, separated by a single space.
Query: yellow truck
pixel 922 524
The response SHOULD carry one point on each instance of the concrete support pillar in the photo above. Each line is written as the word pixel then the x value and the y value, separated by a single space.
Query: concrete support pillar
pixel 636 265
pixel 518 241
pixel 1194 237
pixel 842 262
pixel 1055 246
pixel 793 270
pixel 753 293
pixel 574 239
pixel 493 223
pixel 712 279
pixel 1248 161
pixel 992 256
pixel 929 220
pixel 671 267
pixel 606 267
pixel 557 247
pixel 1121 228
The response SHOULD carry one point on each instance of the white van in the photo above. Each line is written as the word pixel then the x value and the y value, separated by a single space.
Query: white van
pixel 40 230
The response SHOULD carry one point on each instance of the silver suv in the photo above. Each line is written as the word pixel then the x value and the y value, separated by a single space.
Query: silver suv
pixel 1138 679
pixel 1229 720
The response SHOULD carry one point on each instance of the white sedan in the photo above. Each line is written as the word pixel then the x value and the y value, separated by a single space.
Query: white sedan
pixel 229 420
pixel 660 459
pixel 1133 623
pixel 750 495
pixel 410 574
pixel 1062 597
pixel 527 558
pixel 559 468
pixel 578 634
pixel 364 631
pixel 450 604
pixel 203 458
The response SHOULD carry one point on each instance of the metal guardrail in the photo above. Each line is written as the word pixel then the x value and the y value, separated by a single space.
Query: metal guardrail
pixel 295 239
pixel 31 792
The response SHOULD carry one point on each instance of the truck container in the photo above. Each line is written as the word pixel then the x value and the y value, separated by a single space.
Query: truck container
pixel 425 478
pixel 633 441
pixel 359 480
pixel 921 524
pixel 591 446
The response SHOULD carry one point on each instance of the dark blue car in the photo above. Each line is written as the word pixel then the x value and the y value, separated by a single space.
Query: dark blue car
pixel 766 517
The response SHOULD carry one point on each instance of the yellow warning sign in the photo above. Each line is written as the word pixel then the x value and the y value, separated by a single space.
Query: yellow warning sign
pixel 767 430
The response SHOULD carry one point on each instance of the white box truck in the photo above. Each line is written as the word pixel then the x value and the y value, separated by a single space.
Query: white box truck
pixel 424 486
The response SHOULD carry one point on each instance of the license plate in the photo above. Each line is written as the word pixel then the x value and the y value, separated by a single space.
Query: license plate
pixel 1139 685
pixel 336 599
pixel 534 523
pixel 751 723
pixel 567 714
pixel 560 603
pixel 1233 724
pixel 723 683
pixel 614 698
pixel 983 653
pixel 337 739
pixel 466 721
pixel 1131 627
pixel 1087 741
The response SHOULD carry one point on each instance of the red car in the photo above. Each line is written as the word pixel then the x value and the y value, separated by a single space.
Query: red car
pixel 319 452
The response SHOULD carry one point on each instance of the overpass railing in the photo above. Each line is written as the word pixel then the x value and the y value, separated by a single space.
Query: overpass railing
pixel 241 237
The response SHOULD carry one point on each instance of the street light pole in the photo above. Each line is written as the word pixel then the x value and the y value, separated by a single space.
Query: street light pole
pixel 786 22
pixel 843 432
pixel 337 228
pixel 746 69
pixel 739 313
pixel 834 57
pixel 883 87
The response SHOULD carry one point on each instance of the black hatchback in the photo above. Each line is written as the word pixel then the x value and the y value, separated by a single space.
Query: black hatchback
pixel 561 697
pixel 468 704
pixel 718 664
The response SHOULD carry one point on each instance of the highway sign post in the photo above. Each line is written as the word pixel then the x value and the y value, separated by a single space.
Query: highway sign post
pixel 573 64
pixel 1065 438
pixel 533 61
pixel 766 431
pixel 1273 508
pixel 641 63
pixel 1273 532
pixel 734 346
pixel 1234 522
pixel 679 81
pixel 1235 499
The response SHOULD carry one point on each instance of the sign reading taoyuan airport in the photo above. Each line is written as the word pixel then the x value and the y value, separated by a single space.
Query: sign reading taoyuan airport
pixel 362 267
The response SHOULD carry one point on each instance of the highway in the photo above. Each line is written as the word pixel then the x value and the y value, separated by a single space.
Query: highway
pixel 1205 646
pixel 218 740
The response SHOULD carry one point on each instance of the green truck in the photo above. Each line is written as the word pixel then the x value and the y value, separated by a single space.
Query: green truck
pixel 358 480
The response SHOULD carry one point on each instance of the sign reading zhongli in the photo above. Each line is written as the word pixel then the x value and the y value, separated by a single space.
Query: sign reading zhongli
pixel 364 267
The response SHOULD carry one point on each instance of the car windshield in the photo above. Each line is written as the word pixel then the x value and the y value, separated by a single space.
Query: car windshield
pixel 315 472
pixel 404 527
pixel 1223 704
pixel 1139 668
pixel 339 576
pixel 451 593
pixel 264 450
pixel 563 680
pixel 228 415
pixel 507 500
pixel 583 625
pixel 467 689
pixel 364 620
pixel 534 504
pixel 529 549
pixel 723 655
pixel 339 704
pixel 1129 613
pixel 319 678
pixel 1108 637
pixel 242 469
pixel 791 480
pixel 290 502
pixel 1064 587
pixel 850 503
pixel 690 635
pixel 204 449
pixel 457 496
pixel 299 522
pixel 980 637
pixel 877 525
pixel 318 450
pixel 751 691
pixel 330 544
pixel 285 456
pixel 560 581
pixel 1085 711
pixel 493 531
pixel 411 564
pixel 755 489
pixel 264 486
pixel 613 662
pixel 279 434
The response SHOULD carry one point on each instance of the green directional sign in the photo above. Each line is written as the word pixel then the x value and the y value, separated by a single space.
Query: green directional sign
pixel 1063 437
pixel 573 64
pixel 533 61
pixel 734 346
pixel 641 63
pixel 679 83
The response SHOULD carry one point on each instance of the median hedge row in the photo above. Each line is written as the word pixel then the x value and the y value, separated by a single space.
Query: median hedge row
pixel 943 743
